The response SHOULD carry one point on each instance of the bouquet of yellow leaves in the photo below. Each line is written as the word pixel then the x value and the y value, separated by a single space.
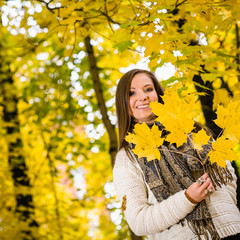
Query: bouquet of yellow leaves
pixel 177 116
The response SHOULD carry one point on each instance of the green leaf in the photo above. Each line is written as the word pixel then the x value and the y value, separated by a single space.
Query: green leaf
pixel 122 46
pixel 172 80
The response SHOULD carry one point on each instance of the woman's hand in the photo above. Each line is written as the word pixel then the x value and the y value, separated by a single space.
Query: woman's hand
pixel 200 189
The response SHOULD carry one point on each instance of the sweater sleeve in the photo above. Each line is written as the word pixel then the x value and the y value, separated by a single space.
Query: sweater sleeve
pixel 142 217
pixel 232 186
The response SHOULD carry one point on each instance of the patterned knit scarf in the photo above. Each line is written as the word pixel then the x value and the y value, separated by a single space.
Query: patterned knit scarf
pixel 176 171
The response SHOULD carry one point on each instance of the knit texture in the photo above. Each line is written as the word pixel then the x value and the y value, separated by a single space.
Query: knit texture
pixel 146 216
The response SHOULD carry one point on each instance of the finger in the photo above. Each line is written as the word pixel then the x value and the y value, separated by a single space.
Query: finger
pixel 208 192
pixel 206 184
pixel 211 187
pixel 205 176
pixel 202 179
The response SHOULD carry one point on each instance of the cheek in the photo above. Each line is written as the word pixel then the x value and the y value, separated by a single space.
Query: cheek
pixel 131 105
pixel 154 97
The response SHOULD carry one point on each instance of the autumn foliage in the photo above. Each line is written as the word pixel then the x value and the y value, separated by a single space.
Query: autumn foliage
pixel 60 62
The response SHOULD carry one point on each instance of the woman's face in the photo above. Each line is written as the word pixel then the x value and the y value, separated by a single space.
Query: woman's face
pixel 142 92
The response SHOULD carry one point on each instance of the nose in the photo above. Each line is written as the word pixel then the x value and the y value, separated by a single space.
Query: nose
pixel 143 96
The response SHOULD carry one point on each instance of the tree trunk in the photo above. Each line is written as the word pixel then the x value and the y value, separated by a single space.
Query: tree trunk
pixel 102 106
pixel 207 104
pixel 24 202
pixel 100 99
pixel 238 47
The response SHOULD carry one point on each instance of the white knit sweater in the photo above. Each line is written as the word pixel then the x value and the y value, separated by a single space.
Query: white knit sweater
pixel 159 221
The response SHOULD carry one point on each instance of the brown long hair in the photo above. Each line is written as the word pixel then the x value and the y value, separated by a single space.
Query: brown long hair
pixel 122 102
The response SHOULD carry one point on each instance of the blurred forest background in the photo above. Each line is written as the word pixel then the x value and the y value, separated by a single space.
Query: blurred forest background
pixel 60 61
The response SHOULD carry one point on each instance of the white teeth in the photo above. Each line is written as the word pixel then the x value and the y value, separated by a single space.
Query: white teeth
pixel 142 106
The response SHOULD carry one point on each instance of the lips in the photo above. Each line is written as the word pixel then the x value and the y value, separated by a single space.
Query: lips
pixel 142 106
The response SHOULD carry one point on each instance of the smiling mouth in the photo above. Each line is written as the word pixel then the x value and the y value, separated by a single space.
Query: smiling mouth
pixel 142 106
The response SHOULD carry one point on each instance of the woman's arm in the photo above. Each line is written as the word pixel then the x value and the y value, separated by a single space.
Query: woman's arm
pixel 232 186
pixel 144 218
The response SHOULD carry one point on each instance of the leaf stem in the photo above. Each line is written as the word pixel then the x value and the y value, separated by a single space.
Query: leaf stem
pixel 182 154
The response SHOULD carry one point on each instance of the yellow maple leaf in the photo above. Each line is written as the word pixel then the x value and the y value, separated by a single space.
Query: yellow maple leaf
pixel 152 45
pixel 200 138
pixel 153 62
pixel 221 96
pixel 178 135
pixel 222 151
pixel 228 119
pixel 146 140
pixel 176 115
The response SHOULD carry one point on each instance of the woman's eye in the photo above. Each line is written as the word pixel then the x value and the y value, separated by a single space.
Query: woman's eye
pixel 149 89
pixel 131 93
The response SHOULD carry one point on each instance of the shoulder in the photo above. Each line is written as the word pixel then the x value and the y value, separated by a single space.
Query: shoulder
pixel 125 166
pixel 121 159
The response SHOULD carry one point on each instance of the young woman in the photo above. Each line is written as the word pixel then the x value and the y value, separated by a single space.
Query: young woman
pixel 180 201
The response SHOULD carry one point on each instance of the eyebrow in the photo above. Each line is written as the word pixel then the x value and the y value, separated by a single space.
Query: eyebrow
pixel 149 84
